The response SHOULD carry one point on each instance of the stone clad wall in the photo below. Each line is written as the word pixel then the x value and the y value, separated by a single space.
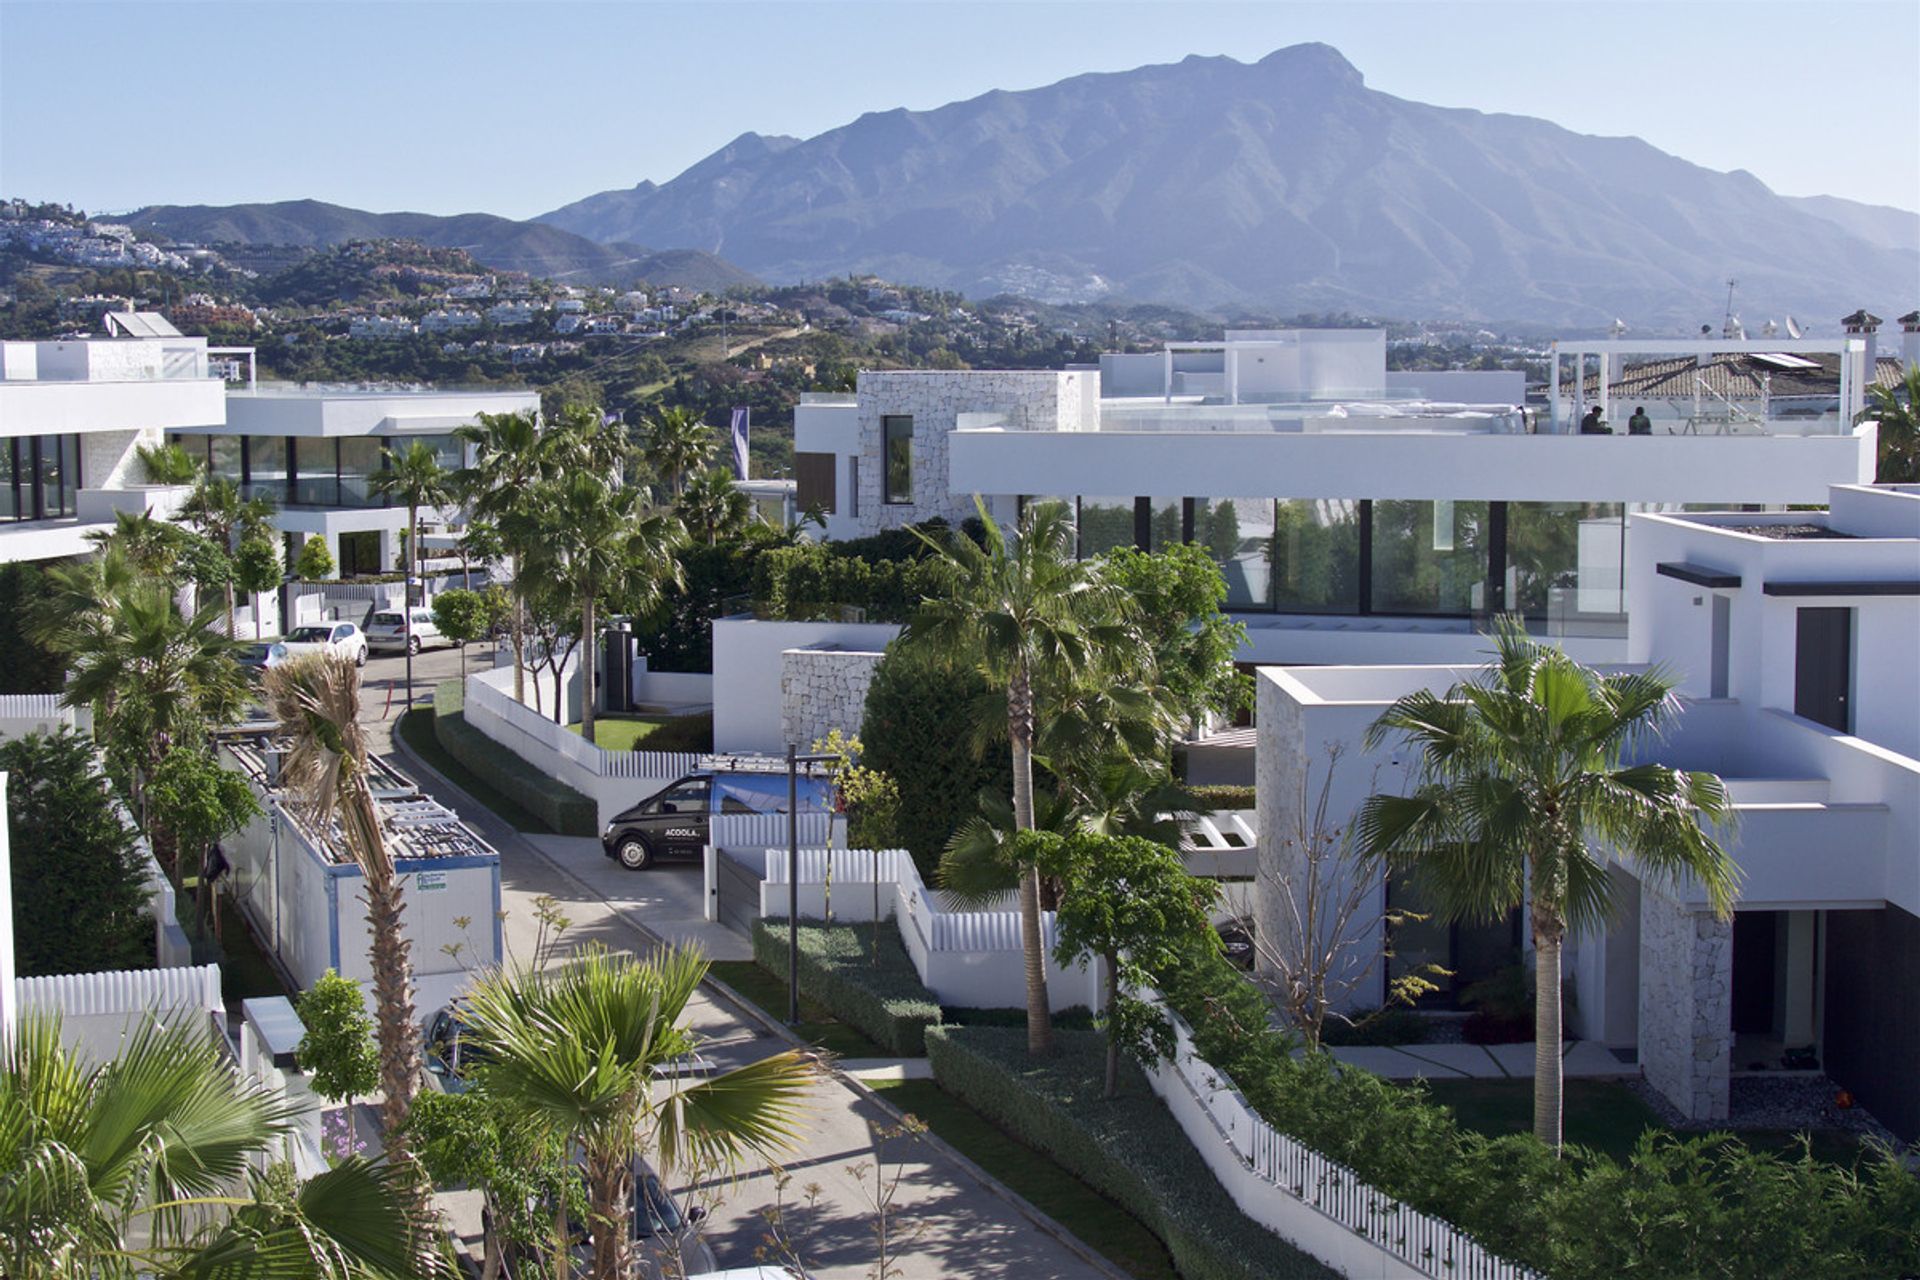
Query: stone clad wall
pixel 822 690
pixel 1686 1004
pixel 1030 400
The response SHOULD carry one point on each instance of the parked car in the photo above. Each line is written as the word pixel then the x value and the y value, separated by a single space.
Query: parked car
pixel 667 1242
pixel 388 630
pixel 257 659
pixel 674 823
pixel 341 639
pixel 449 1053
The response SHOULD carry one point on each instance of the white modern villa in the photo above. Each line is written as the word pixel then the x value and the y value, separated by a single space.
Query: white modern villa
pixel 1357 514
pixel 75 412
pixel 1792 636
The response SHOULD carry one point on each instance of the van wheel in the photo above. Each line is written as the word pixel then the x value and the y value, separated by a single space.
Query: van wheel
pixel 635 854
pixel 413 644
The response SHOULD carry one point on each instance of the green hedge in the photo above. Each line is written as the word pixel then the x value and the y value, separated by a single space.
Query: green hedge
pixel 1681 1208
pixel 1129 1148
pixel 553 802
pixel 1224 797
pixel 887 1002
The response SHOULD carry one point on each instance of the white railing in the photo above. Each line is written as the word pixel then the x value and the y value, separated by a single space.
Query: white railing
pixel 31 706
pixel 651 765
pixel 1431 1246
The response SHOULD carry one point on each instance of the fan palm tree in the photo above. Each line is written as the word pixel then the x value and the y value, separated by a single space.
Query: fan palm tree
pixel 510 454
pixel 577 1049
pixel 1898 412
pixel 601 543
pixel 678 444
pixel 316 699
pixel 713 505
pixel 1520 773
pixel 413 478
pixel 140 1166
pixel 219 513
pixel 167 464
pixel 1029 617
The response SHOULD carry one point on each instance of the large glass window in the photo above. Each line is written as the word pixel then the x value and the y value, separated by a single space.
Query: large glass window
pixel 9 496
pixel 1316 555
pixel 897 434
pixel 1164 529
pixel 199 448
pixel 1105 523
pixel 267 467
pixel 1238 533
pixel 1566 559
pixel 316 466
pixel 1430 557
pixel 226 457
pixel 359 460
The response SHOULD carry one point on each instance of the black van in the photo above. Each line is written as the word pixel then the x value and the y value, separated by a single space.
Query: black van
pixel 674 823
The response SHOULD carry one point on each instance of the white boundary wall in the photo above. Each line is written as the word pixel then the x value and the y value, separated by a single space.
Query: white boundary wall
pixel 968 959
pixel 615 780
pixel 99 1010
pixel 1322 1207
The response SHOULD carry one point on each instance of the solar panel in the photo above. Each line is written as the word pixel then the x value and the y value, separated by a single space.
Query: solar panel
pixel 1784 362
pixel 141 324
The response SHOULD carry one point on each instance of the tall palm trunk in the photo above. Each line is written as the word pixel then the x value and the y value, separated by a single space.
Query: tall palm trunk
pixel 519 638
pixel 610 1199
pixel 1548 933
pixel 1113 1042
pixel 392 980
pixel 1020 732
pixel 586 667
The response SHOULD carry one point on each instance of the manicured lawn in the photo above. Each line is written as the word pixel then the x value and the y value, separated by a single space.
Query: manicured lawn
pixel 1100 1223
pixel 416 727
pixel 1602 1114
pixel 622 732
pixel 817 1026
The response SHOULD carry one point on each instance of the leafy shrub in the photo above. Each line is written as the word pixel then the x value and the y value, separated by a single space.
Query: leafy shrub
pixel 810 581
pixel 1680 1208
pixel 1128 1148
pixel 553 802
pixel 917 729
pixel 1224 797
pixel 887 1002
pixel 682 733
pixel 79 885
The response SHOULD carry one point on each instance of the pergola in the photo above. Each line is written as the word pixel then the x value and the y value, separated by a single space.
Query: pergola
pixel 1854 376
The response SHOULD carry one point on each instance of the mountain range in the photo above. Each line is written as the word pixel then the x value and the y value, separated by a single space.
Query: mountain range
pixel 1285 184
pixel 502 244
pixel 1278 187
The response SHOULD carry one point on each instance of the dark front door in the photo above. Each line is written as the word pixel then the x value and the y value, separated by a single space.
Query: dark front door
pixel 1823 667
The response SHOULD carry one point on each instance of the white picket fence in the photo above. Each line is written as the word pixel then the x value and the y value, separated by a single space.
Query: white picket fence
pixel 1254 1161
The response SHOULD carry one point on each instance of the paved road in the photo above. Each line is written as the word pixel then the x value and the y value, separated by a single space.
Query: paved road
pixel 965 1227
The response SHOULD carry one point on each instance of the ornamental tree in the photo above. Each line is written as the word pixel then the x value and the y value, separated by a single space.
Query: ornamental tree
pixel 338 1048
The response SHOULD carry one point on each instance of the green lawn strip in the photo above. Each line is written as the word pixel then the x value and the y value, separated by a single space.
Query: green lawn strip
pixel 1604 1115
pixel 1098 1222
pixel 622 732
pixel 817 1026
pixel 416 728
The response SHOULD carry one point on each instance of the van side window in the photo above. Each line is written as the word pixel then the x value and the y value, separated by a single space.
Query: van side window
pixel 688 799
pixel 734 804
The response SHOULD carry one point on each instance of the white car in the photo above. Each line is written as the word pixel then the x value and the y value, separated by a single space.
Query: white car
pixel 388 630
pixel 341 639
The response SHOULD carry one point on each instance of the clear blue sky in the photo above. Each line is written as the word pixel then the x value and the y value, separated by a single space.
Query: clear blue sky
pixel 518 108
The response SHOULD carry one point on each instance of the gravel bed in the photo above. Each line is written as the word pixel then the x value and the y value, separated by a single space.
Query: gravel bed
pixel 1780 1103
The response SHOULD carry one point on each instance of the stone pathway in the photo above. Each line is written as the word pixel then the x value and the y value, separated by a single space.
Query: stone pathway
pixel 1582 1059
pixel 885 1068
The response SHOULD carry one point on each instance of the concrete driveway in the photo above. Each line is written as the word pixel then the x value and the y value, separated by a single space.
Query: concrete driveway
pixel 966 1226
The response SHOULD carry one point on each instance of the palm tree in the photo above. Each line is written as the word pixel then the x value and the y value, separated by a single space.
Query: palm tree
pixel 1898 412
pixel 510 454
pixel 316 699
pixel 140 1165
pixel 713 505
pixel 1029 616
pixel 167 464
pixel 216 509
pixel 413 478
pixel 577 1049
pixel 599 543
pixel 677 445
pixel 1520 772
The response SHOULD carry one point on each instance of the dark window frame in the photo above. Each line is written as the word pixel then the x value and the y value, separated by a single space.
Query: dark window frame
pixel 891 433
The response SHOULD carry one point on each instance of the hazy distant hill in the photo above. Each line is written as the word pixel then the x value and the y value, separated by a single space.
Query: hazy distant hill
pixel 499 243
pixel 1880 224
pixel 1286 184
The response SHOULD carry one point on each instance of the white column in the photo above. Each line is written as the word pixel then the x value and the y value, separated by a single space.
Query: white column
pixel 1605 368
pixel 1167 385
pixel 9 1015
pixel 1232 367
pixel 1554 384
